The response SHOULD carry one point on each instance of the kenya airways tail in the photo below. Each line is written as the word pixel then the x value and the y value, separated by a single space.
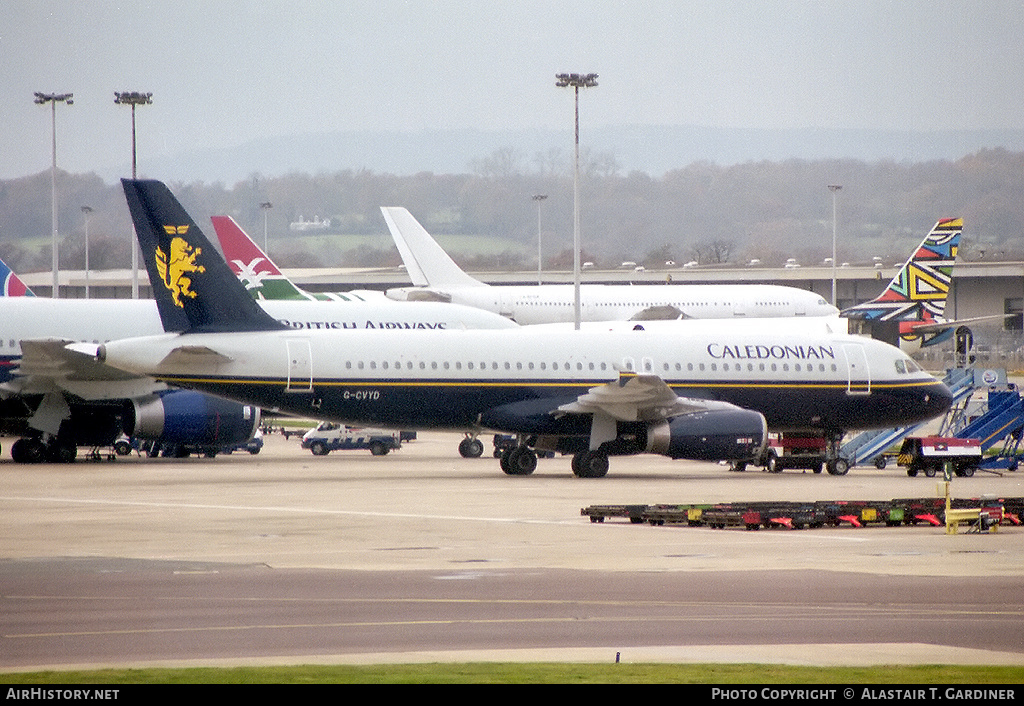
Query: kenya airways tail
pixel 260 275
pixel 250 264
pixel 910 312
pixel 12 284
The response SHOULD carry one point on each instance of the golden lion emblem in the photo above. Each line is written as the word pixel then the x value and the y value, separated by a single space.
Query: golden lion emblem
pixel 174 269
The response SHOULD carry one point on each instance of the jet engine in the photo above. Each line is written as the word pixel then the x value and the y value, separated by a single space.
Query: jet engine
pixel 183 417
pixel 734 434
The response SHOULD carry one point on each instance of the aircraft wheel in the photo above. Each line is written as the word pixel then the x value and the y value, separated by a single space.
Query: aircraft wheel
pixel 61 452
pixel 471 448
pixel 28 451
pixel 590 464
pixel 522 461
pixel 504 460
pixel 838 467
pixel 773 465
pixel 738 466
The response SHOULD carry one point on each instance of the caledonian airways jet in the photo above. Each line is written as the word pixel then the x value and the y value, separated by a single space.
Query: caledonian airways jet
pixel 696 390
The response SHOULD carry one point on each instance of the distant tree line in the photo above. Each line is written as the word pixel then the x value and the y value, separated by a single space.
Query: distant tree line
pixel 704 212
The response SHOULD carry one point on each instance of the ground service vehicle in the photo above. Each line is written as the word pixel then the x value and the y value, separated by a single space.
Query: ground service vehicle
pixel 329 436
pixel 931 453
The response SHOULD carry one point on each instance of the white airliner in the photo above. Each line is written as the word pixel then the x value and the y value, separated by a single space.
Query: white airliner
pixel 697 390
pixel 437 278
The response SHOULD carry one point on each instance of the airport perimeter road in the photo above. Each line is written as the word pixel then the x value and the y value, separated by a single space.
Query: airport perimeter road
pixel 422 554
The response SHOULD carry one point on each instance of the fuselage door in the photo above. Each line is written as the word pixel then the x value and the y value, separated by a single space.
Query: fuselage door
pixel 858 380
pixel 300 365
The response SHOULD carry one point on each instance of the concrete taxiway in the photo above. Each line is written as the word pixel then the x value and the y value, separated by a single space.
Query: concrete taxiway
pixel 424 555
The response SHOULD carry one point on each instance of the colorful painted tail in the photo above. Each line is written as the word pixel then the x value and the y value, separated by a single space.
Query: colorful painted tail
pixel 12 284
pixel 193 286
pixel 915 300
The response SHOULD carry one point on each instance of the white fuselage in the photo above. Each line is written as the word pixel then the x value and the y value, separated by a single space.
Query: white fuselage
pixel 797 377
pixel 542 304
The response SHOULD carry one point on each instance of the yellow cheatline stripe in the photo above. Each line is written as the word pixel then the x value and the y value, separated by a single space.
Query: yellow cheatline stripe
pixel 583 385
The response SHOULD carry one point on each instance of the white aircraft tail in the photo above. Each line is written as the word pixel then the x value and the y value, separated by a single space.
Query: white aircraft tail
pixel 426 262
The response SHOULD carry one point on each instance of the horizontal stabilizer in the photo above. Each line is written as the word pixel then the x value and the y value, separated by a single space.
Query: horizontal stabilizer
pixel 194 357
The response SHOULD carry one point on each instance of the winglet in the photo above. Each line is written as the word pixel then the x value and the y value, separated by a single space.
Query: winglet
pixel 193 286
pixel 251 265
pixel 426 262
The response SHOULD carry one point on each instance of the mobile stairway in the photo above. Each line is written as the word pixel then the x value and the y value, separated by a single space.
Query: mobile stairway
pixel 869 446
pixel 1002 422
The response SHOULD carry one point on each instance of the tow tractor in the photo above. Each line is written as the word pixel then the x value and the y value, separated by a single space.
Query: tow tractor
pixel 805 451
pixel 929 453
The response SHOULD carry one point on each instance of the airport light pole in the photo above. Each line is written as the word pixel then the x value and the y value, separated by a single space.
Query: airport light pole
pixel 834 188
pixel 540 260
pixel 53 99
pixel 266 206
pixel 86 210
pixel 134 98
pixel 576 81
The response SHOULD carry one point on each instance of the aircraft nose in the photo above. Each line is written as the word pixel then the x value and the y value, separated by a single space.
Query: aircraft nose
pixel 938 399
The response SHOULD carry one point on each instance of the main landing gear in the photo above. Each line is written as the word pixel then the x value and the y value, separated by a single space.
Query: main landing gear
pixel 518 460
pixel 590 464
pixel 32 449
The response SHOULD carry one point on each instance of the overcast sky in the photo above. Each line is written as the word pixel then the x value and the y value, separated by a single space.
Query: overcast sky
pixel 227 72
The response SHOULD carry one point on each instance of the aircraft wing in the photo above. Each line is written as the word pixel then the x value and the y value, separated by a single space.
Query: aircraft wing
pixel 634 398
pixel 56 364
pixel 665 312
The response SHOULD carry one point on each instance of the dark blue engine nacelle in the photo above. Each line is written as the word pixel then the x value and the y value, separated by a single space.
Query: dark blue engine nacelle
pixel 731 434
pixel 193 419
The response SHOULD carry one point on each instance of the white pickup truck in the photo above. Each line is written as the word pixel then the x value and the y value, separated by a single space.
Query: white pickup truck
pixel 329 436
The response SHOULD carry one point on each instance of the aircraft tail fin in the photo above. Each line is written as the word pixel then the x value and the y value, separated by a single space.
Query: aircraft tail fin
pixel 193 286
pixel 917 294
pixel 251 265
pixel 12 286
pixel 426 262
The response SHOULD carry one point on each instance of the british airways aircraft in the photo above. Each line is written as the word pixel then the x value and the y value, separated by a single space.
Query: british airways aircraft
pixel 910 311
pixel 694 390
pixel 437 278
